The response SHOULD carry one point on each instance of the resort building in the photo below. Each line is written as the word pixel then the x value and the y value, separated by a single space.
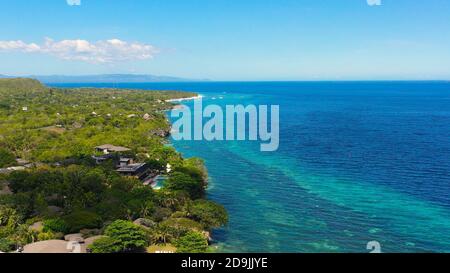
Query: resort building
pixel 138 170
pixel 125 165
pixel 102 158
pixel 108 149
pixel 123 162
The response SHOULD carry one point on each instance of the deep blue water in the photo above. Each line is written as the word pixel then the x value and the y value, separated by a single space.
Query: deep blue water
pixel 358 161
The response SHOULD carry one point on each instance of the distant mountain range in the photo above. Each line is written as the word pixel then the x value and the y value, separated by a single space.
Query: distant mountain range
pixel 105 78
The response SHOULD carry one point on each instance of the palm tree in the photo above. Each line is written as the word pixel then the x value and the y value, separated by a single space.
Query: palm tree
pixel 26 234
pixel 162 234
pixel 9 217
pixel 145 210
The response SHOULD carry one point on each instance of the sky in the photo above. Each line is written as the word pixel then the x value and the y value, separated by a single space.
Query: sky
pixel 228 39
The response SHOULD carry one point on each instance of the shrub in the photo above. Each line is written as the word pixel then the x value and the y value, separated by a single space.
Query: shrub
pixel 55 225
pixel 105 245
pixel 6 158
pixel 9 217
pixel 45 236
pixel 209 214
pixel 156 165
pixel 79 220
pixel 161 214
pixel 182 226
pixel 6 245
pixel 183 182
pixel 192 242
pixel 126 236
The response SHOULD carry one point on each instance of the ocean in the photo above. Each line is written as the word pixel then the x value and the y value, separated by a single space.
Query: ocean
pixel 358 162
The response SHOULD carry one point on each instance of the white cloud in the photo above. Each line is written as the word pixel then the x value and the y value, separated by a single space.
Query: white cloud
pixel 18 45
pixel 108 51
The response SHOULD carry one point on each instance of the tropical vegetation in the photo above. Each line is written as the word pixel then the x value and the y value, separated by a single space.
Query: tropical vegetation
pixel 48 135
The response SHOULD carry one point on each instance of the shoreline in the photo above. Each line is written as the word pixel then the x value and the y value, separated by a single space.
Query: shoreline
pixel 185 99
pixel 215 245
pixel 154 129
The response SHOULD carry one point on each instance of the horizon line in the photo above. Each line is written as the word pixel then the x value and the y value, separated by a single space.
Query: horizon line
pixel 181 79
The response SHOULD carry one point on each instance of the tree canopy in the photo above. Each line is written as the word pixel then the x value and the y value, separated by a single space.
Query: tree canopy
pixel 63 190
pixel 123 236
pixel 7 158
pixel 192 242
pixel 208 213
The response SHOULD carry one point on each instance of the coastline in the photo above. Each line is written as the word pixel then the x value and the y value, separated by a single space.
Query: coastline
pixel 146 109
pixel 185 99
pixel 214 245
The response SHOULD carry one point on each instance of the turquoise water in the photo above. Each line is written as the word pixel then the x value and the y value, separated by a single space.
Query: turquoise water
pixel 358 162
pixel 159 182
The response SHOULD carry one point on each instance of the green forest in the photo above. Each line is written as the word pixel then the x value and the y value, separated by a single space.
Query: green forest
pixel 50 186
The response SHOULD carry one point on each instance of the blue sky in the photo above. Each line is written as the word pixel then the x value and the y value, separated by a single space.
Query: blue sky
pixel 228 39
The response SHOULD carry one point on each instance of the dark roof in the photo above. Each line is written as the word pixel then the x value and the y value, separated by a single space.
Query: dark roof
pixel 112 148
pixel 131 167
